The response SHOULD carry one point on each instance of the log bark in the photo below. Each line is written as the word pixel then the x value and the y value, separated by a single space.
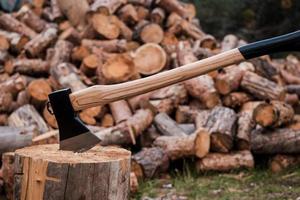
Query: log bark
pixel 40 42
pixel 13 138
pixel 273 114
pixel 75 11
pixel 168 126
pixel 27 116
pixel 61 53
pixel 150 161
pixel 65 75
pixel 283 161
pixel 126 132
pixel 106 7
pixel 226 162
pixel 59 174
pixel 120 111
pixel 17 41
pixel 8 160
pixel 245 125
pixel 202 142
pixel 31 67
pixel 6 102
pixel 221 124
pixel 176 147
pixel 9 23
pixel 261 87
pixel 149 59
pixel 184 114
pixel 128 14
pixel 236 99
pixel 293 89
pixel 28 17
pixel 148 136
pixel 280 140
pixel 111 46
pixel 14 84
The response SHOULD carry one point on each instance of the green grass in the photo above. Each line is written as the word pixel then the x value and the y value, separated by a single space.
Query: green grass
pixel 243 185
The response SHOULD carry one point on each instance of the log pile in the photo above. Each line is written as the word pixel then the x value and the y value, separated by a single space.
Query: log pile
pixel 222 119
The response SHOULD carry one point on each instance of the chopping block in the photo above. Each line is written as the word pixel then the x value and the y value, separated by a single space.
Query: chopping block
pixel 45 172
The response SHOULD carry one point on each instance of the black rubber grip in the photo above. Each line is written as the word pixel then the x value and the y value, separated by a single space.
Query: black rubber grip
pixel 288 42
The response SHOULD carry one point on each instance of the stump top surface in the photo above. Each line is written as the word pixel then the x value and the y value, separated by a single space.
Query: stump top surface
pixel 52 153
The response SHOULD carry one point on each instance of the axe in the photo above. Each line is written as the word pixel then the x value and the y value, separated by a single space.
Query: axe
pixel 75 136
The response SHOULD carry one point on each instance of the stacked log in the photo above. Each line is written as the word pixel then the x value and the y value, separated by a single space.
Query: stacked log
pixel 221 119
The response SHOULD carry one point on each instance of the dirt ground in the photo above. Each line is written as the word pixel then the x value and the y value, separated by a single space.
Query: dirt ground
pixel 258 184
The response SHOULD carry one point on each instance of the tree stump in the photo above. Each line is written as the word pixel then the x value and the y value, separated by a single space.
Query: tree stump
pixel 44 172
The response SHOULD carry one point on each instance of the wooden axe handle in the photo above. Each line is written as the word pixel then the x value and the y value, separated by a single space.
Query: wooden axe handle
pixel 103 94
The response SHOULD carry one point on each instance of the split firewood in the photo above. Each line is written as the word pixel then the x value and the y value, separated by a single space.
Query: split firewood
pixel 229 42
pixel 8 162
pixel 293 89
pixel 134 183
pixel 118 69
pixel 176 6
pixel 229 79
pixel 27 116
pixel 150 162
pixel 79 53
pixel 51 137
pixel 202 142
pixel 144 3
pixel 245 125
pixel 120 111
pixel 261 87
pixel 176 146
pixel 236 99
pixel 271 141
pixel 201 87
pixel 149 59
pixel 291 99
pixel 90 115
pixel 9 23
pixel 40 42
pixel 264 67
pixel 28 17
pixel 226 162
pixel 13 138
pixel 33 67
pixel 107 120
pixel 168 126
pixel 61 53
pixel 115 45
pixel 158 15
pixel 283 161
pixel 38 91
pixel 17 41
pixel 90 64
pixel 3 119
pixel 65 74
pixel 221 125
pixel 49 118
pixel 128 14
pixel 126 132
pixel 273 114
pixel 75 11
pixel 106 7
pixel 184 114
pixel 14 84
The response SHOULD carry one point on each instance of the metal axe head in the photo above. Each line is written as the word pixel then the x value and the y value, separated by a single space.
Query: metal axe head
pixel 73 134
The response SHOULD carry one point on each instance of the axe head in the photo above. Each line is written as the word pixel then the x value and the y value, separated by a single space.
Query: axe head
pixel 73 134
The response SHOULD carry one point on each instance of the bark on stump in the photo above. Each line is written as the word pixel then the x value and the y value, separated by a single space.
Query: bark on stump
pixel 44 172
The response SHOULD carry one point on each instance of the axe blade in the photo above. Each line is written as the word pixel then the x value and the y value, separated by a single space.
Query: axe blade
pixel 73 134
